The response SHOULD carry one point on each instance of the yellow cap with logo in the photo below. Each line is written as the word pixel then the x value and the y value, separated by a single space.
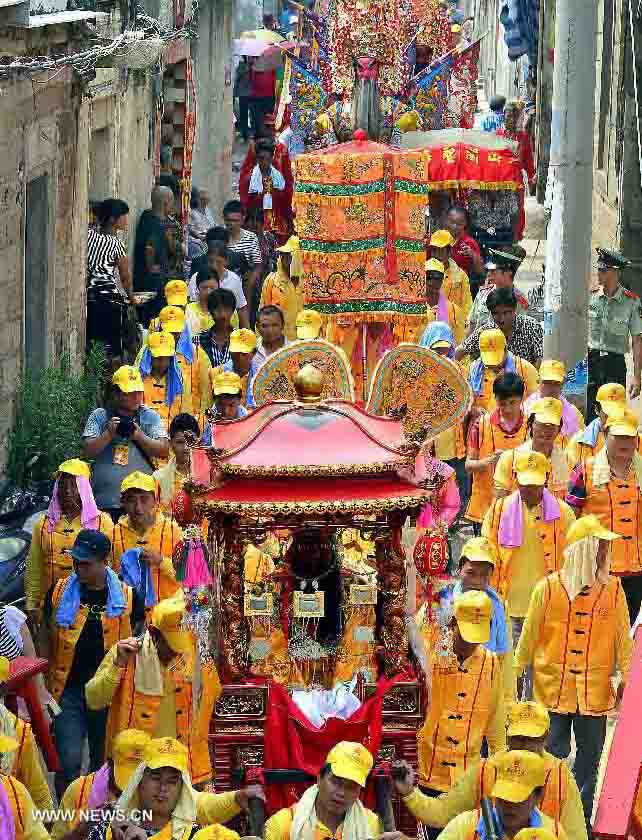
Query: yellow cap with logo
pixel 176 293
pixel 529 719
pixel 242 341
pixel 531 468
pixel 547 410
pixel 167 616
pixel 588 526
pixel 226 382
pixel 74 466
pixel 172 319
pixel 552 371
pixel 473 612
pixel 622 421
pixel 127 752
pixel 442 239
pixel 492 347
pixel 5 669
pixel 139 481
pixel 166 752
pixel 535 834
pixel 434 265
pixel 350 760
pixel 519 773
pixel 161 344
pixel 408 122
pixel 290 247
pixel 308 324
pixel 609 393
pixel 128 379
pixel 480 550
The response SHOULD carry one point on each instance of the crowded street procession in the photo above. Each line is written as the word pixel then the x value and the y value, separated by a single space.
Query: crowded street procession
pixel 331 528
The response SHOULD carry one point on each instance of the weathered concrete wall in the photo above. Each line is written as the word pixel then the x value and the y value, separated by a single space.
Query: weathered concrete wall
pixel 212 52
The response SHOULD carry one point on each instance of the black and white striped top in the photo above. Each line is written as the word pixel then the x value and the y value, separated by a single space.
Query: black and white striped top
pixel 103 252
pixel 248 246
pixel 9 646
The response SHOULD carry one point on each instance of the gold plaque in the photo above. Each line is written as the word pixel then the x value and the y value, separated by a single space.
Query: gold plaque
pixel 363 594
pixel 309 604
pixel 262 604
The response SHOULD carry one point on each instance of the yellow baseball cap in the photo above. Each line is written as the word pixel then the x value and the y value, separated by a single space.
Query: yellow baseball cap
pixel 528 719
pixel 473 611
pixel 322 124
pixel 547 410
pixel 531 468
pixel 290 247
pixel 609 393
pixel 442 239
pixel 552 371
pixel 622 421
pixel 226 382
pixel 128 379
pixel 480 550
pixel 172 319
pixel 176 293
pixel 139 481
pixel 5 669
pixel 408 122
pixel 167 616
pixel 434 265
pixel 535 834
pixel 492 347
pixel 455 28
pixel 74 466
pixel 166 752
pixel 127 752
pixel 161 344
pixel 519 772
pixel 242 341
pixel 588 526
pixel 308 324
pixel 350 760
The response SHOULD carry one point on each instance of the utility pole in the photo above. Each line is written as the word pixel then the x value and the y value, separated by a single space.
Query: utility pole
pixel 568 246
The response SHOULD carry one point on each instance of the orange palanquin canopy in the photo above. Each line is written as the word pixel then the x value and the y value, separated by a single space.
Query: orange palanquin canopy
pixel 289 460
pixel 360 213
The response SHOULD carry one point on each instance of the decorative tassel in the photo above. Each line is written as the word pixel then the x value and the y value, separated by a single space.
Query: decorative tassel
pixel 194 574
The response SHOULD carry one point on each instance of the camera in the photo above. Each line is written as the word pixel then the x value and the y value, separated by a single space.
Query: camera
pixel 125 427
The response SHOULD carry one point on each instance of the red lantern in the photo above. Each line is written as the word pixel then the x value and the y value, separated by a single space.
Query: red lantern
pixel 183 509
pixel 430 554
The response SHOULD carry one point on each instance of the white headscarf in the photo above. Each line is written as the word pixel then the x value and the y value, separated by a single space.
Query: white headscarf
pixel 580 566
pixel 183 815
pixel 304 819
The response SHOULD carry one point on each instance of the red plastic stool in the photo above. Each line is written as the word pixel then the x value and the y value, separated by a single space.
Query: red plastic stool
pixel 22 683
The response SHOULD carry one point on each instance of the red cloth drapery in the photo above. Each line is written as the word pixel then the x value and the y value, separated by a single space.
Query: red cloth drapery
pixel 292 742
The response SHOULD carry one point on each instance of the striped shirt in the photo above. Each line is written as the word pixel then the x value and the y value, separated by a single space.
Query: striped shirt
pixel 103 253
pixel 248 246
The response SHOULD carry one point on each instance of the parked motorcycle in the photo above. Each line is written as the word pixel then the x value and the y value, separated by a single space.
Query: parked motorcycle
pixel 19 509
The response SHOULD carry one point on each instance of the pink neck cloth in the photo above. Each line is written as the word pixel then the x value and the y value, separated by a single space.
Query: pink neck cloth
pixel 99 788
pixel 511 523
pixel 442 308
pixel 7 823
pixel 88 510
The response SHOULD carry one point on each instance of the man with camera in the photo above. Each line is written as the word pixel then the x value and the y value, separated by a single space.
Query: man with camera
pixel 122 438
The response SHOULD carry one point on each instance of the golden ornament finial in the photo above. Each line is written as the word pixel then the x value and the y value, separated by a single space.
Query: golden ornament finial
pixel 308 384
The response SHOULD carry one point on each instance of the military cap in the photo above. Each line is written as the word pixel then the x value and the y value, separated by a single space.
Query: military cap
pixel 510 256
pixel 607 259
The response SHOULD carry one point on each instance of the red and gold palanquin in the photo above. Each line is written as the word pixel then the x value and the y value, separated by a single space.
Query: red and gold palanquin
pixel 328 465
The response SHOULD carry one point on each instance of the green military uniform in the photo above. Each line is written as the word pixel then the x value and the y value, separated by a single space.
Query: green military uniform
pixel 612 320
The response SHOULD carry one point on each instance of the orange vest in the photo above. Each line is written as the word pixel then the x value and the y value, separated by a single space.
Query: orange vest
pixel 64 639
pixel 553 540
pixel 575 652
pixel 618 505
pixel 555 785
pixel 82 797
pixel 491 438
pixel 162 538
pixel 486 399
pixel 473 834
pixel 53 545
pixel 450 739
pixel 155 398
pixel 131 709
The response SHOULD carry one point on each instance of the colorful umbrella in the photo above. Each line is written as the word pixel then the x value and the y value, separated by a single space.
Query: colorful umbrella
pixel 268 36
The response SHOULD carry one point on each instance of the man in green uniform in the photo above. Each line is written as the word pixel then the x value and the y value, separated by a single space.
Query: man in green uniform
pixel 614 315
